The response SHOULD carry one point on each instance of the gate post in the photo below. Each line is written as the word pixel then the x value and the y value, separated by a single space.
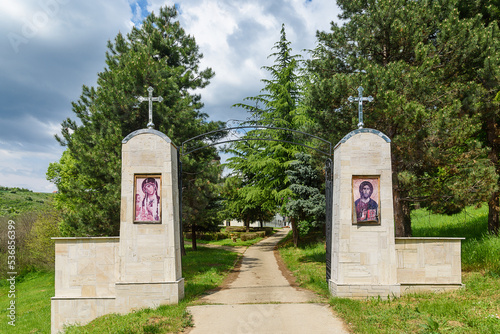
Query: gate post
pixel 328 221
pixel 150 271
pixel 363 259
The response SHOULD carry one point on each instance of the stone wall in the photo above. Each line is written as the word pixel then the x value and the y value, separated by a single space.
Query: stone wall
pixel 142 267
pixel 429 264
pixel 85 274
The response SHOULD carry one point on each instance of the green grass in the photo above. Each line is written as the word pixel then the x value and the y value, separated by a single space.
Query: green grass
pixel 473 309
pixel 14 201
pixel 33 294
pixel 472 223
pixel 307 262
pixel 203 270
pixel 480 250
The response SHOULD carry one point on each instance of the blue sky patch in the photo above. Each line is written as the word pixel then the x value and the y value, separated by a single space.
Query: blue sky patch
pixel 139 11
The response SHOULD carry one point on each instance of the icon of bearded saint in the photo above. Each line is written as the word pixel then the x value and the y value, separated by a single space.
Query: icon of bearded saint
pixel 366 208
pixel 149 208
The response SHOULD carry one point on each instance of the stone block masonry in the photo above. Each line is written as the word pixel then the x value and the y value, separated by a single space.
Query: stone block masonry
pixel 367 260
pixel 142 267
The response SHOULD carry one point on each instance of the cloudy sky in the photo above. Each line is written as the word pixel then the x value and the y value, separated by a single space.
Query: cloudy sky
pixel 50 48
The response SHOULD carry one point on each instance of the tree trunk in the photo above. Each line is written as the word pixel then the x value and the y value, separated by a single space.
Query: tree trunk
pixel 295 232
pixel 494 213
pixel 402 218
pixel 247 224
pixel 193 235
pixel 493 203
pixel 183 248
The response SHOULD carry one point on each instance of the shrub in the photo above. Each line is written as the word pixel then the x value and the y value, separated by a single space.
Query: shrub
pixel 39 244
pixel 207 236
pixel 248 236
pixel 261 234
pixel 236 229
pixel 34 249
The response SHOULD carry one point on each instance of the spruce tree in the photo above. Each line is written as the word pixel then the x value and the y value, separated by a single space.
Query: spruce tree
pixel 158 54
pixel 412 57
pixel 307 202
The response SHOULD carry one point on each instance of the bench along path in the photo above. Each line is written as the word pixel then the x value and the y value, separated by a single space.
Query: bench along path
pixel 261 300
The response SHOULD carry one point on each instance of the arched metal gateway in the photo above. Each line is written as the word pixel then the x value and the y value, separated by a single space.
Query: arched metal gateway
pixel 237 133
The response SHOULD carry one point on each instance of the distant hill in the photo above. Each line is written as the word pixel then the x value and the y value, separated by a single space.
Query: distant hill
pixel 14 201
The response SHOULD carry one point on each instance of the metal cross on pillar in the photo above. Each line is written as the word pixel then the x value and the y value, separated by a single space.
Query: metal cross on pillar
pixel 150 99
pixel 360 99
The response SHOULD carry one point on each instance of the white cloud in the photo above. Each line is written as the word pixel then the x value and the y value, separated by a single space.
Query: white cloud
pixel 50 48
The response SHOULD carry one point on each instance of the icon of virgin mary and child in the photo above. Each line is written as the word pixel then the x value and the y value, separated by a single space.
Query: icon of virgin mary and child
pixel 147 208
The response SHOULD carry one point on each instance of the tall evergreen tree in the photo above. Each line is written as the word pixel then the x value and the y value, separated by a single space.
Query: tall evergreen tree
pixel 200 196
pixel 262 164
pixel 486 75
pixel 158 54
pixel 411 56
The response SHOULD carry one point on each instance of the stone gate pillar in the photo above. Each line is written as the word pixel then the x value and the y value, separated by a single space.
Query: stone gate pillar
pixel 363 261
pixel 150 270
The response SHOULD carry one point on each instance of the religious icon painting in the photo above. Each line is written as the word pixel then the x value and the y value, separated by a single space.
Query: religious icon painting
pixel 147 206
pixel 366 196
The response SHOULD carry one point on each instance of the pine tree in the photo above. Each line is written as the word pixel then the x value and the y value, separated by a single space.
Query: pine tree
pixel 412 57
pixel 158 54
pixel 486 75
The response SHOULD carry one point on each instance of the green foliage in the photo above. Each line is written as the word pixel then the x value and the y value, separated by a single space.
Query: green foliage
pixel 158 54
pixel 39 244
pixel 34 249
pixel 246 202
pixel 248 236
pixel 307 201
pixel 429 71
pixel 259 183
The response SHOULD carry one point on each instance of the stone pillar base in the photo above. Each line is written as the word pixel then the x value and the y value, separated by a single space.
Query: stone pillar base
pixel 363 291
pixel 132 295
pixel 431 287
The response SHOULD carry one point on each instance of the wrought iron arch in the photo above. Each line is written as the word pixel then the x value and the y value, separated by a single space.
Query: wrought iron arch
pixel 185 150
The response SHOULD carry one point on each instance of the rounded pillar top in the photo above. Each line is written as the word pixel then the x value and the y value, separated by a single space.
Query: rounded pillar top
pixel 146 131
pixel 363 130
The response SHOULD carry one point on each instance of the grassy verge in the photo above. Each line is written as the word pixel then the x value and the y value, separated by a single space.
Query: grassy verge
pixel 474 309
pixel 307 262
pixel 32 300
pixel 203 270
